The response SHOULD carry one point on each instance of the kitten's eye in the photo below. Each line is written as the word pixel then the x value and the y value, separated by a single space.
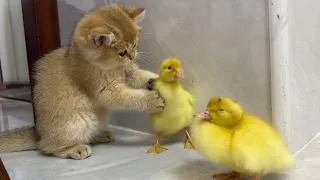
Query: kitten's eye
pixel 122 53
pixel 135 45
pixel 169 67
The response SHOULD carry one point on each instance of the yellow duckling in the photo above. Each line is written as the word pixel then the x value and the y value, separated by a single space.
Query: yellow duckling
pixel 227 135
pixel 178 111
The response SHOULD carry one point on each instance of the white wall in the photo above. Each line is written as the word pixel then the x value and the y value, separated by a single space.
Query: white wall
pixel 304 70
pixel 19 41
pixel 223 45
pixel 14 64
pixel 8 63
pixel 295 39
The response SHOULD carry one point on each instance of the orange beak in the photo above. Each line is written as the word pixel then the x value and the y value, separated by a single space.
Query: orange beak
pixel 179 74
pixel 205 115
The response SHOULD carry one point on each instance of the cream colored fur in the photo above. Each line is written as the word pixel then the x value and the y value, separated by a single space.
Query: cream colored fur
pixel 76 86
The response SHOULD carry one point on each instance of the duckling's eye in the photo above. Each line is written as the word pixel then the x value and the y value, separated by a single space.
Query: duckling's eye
pixel 221 110
pixel 122 53
pixel 169 67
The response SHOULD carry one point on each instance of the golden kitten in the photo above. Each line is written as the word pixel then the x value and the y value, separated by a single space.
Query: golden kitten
pixel 77 85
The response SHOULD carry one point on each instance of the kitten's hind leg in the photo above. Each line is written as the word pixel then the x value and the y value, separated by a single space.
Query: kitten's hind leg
pixel 64 149
pixel 79 151
pixel 103 137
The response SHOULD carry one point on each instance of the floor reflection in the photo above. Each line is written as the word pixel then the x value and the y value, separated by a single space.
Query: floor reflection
pixel 14 113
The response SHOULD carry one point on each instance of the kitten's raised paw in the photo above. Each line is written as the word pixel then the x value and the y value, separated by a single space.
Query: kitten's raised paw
pixel 105 137
pixel 150 84
pixel 77 152
pixel 155 103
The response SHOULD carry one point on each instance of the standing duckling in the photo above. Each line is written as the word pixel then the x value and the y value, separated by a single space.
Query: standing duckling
pixel 178 111
pixel 227 135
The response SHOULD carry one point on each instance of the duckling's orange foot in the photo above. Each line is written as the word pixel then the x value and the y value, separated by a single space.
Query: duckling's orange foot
pixel 189 145
pixel 227 176
pixel 157 148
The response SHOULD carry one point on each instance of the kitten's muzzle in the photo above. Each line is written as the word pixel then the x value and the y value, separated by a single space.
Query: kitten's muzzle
pixel 131 56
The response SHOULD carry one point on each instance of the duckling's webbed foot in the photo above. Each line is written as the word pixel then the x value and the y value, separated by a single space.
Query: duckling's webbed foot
pixel 227 176
pixel 257 176
pixel 157 148
pixel 188 144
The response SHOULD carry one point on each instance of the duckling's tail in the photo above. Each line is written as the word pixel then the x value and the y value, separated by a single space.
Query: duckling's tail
pixel 284 162
pixel 289 161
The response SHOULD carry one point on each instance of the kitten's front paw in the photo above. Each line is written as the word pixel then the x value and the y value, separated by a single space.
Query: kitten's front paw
pixel 150 83
pixel 155 102
pixel 80 151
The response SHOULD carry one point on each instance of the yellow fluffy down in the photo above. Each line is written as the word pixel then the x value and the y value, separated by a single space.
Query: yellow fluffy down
pixel 256 147
pixel 241 141
pixel 178 112
pixel 251 147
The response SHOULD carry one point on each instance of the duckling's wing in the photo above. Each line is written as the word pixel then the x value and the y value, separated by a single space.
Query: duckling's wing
pixel 191 100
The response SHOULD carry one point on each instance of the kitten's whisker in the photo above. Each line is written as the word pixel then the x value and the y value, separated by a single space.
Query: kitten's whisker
pixel 140 57
pixel 144 58
pixel 148 56
pixel 144 52
pixel 146 35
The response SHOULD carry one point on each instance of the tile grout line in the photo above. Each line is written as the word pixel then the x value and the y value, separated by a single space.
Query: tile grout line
pixel 135 131
pixel 306 145
pixel 128 129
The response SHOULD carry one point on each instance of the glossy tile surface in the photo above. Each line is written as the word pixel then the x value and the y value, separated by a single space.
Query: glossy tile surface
pixel 125 159
pixel 21 93
pixel 15 114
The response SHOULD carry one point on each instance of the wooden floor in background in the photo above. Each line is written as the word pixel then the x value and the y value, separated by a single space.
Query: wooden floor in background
pixel 3 172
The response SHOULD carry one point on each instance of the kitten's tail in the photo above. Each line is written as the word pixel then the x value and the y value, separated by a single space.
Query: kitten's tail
pixel 18 140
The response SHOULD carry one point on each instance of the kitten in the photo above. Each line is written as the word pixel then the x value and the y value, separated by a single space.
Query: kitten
pixel 77 85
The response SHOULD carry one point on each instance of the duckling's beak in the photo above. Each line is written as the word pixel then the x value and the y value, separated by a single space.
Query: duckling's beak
pixel 179 74
pixel 205 115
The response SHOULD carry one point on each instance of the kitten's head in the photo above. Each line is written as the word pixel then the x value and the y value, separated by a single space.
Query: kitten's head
pixel 108 37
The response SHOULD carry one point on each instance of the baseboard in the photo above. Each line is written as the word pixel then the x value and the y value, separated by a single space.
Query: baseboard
pixel 306 145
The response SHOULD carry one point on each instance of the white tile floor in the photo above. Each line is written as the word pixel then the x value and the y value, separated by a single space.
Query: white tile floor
pixel 125 159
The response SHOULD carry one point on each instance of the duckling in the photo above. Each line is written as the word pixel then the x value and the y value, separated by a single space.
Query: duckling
pixel 178 111
pixel 226 134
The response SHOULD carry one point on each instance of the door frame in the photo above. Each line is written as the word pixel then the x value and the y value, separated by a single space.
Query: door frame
pixel 41 27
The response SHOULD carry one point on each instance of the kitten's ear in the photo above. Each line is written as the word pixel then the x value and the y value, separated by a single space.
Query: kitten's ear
pixel 106 39
pixel 136 14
